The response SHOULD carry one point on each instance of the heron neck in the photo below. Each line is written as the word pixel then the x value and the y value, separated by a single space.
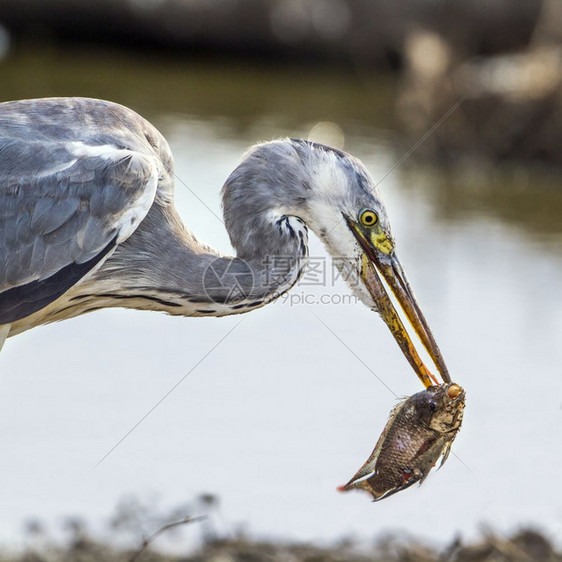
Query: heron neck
pixel 262 199
pixel 162 266
pixel 231 285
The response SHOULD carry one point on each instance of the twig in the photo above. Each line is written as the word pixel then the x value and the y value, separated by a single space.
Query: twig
pixel 146 542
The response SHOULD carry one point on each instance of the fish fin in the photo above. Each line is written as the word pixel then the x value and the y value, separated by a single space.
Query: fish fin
pixel 415 477
pixel 368 467
pixel 362 485
pixel 423 476
pixel 446 452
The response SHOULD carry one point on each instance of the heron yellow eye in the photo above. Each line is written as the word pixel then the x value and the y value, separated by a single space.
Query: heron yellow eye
pixel 368 217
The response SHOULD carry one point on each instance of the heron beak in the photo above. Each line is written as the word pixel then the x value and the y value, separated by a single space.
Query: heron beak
pixel 379 261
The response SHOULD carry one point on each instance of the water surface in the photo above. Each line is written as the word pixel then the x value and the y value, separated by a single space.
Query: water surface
pixel 281 412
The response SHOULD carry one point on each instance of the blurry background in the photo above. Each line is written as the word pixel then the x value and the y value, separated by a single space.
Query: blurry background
pixel 280 412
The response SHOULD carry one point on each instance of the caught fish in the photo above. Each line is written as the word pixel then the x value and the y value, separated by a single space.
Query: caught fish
pixel 419 431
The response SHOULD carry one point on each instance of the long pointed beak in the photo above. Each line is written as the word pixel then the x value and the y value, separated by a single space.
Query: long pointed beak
pixel 386 265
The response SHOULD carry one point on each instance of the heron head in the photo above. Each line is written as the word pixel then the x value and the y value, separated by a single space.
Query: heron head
pixel 347 212
pixel 336 197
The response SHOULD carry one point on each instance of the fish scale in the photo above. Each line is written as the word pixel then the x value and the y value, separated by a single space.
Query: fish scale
pixel 419 431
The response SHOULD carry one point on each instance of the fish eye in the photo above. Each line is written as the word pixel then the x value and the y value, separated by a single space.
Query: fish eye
pixel 454 391
pixel 368 217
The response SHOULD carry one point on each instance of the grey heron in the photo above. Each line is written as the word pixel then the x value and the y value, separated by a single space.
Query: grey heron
pixel 87 221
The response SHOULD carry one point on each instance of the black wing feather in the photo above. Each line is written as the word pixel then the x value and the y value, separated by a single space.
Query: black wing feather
pixel 19 302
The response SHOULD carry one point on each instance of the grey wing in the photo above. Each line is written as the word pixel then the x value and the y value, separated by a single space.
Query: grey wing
pixel 64 206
